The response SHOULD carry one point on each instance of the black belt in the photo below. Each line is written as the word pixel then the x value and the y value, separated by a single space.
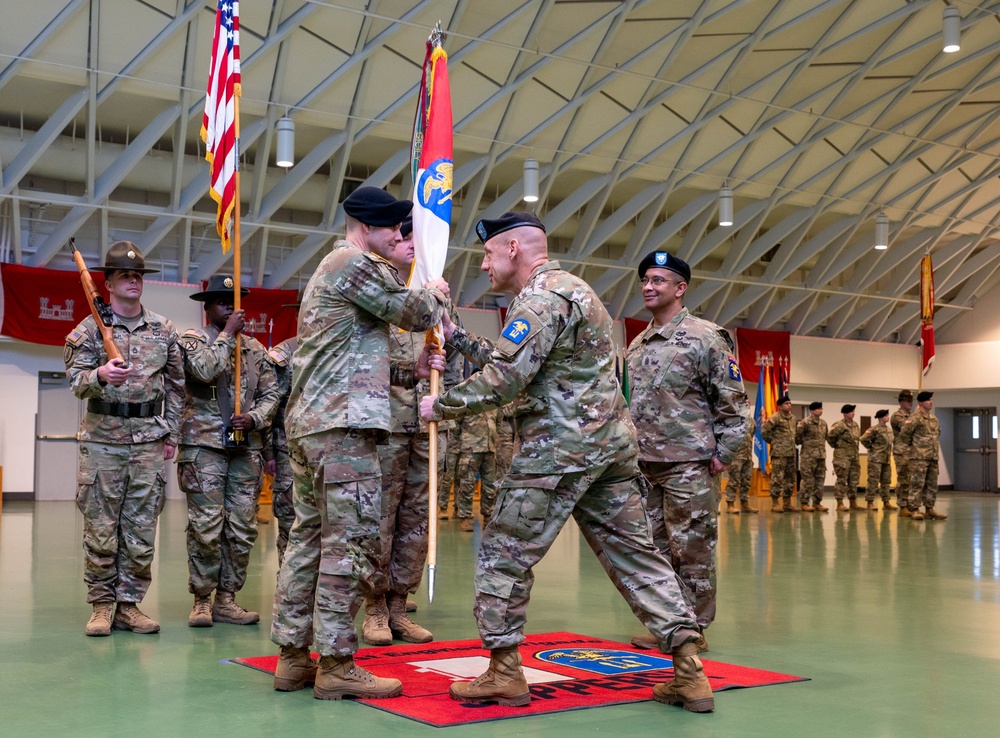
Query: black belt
pixel 201 391
pixel 126 409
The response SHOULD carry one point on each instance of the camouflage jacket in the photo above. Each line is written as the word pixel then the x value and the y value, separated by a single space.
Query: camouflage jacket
pixel 281 359
pixel 153 351
pixel 811 434
pixel 920 434
pixel 341 370
pixel 896 421
pixel 844 436
pixel 746 447
pixel 557 352
pixel 878 440
pixel 688 402
pixel 779 432
pixel 210 400
pixel 479 432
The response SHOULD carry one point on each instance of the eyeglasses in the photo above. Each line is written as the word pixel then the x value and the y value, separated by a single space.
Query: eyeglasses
pixel 656 281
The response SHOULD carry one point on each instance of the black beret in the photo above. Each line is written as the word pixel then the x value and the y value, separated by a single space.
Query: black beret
pixel 219 286
pixel 487 229
pixel 783 399
pixel 815 406
pixel 376 207
pixel 848 409
pixel 663 260
pixel 881 414
pixel 924 396
pixel 406 227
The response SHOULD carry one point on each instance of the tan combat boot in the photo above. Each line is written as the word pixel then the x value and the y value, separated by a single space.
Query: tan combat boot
pixel 689 688
pixel 100 620
pixel 887 505
pixel 411 606
pixel 790 506
pixel 841 507
pixel 916 514
pixel 905 513
pixel 442 513
pixel 745 508
pixel 776 505
pixel 646 642
pixel 731 507
pixel 201 613
pixel 339 677
pixel 375 629
pixel 295 669
pixel 807 508
pixel 467 525
pixel 820 507
pixel 225 610
pixel 854 504
pixel 401 625
pixel 503 682
pixel 130 617
pixel 932 514
pixel 871 506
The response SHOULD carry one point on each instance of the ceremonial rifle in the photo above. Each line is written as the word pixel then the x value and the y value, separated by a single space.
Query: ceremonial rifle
pixel 100 309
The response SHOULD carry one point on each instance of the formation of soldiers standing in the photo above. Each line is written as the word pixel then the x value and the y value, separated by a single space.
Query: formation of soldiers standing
pixel 908 437
pixel 339 415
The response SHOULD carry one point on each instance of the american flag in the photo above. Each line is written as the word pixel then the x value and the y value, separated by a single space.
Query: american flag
pixel 220 128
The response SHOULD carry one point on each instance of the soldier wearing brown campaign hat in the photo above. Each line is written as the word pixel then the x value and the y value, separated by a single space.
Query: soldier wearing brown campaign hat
pixel 125 256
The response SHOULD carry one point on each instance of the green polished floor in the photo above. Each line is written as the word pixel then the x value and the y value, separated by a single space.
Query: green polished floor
pixel 896 622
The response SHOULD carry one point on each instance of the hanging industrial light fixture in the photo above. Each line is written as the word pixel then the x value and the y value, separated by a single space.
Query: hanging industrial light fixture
pixel 530 180
pixel 725 205
pixel 952 29
pixel 882 231
pixel 285 132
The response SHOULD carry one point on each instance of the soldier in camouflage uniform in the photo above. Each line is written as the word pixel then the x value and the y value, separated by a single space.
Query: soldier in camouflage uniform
pixel 779 432
pixel 338 410
pixel 900 451
pixel 878 440
pixel 577 457
pixel 452 460
pixel 691 414
pixel 280 465
pixel 478 458
pixel 810 434
pixel 844 437
pixel 741 476
pixel 505 440
pixel 404 457
pixel 129 431
pixel 920 434
pixel 222 479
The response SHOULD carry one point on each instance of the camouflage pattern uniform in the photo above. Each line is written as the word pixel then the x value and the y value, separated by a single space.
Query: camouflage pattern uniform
pixel 404 458
pixel 920 434
pixel 479 458
pixel 878 440
pixel 811 434
pixel 339 407
pixel 222 484
pixel 281 488
pixel 688 405
pixel 779 432
pixel 741 471
pixel 901 455
pixel 121 478
pixel 452 460
pixel 577 458
pixel 843 437
pixel 505 440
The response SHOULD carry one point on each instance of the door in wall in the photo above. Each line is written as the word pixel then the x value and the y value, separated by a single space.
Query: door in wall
pixel 976 450
pixel 56 424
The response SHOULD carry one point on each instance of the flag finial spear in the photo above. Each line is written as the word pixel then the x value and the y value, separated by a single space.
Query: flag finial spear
pixel 437 35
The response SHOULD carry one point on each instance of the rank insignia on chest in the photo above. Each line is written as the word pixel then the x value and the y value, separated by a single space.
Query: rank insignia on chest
pixel 517 331
pixel 734 369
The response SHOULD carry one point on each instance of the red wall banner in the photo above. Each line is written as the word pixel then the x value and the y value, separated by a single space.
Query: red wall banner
pixel 42 305
pixel 753 346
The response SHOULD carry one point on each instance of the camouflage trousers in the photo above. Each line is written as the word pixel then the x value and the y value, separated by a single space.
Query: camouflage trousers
pixel 483 464
pixel 607 505
pixel 782 477
pixel 740 477
pixel 848 473
pixel 334 544
pixel 902 476
pixel 281 499
pixel 879 480
pixel 120 491
pixel 813 471
pixel 681 502
pixel 405 463
pixel 923 486
pixel 505 447
pixel 222 487
pixel 447 478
